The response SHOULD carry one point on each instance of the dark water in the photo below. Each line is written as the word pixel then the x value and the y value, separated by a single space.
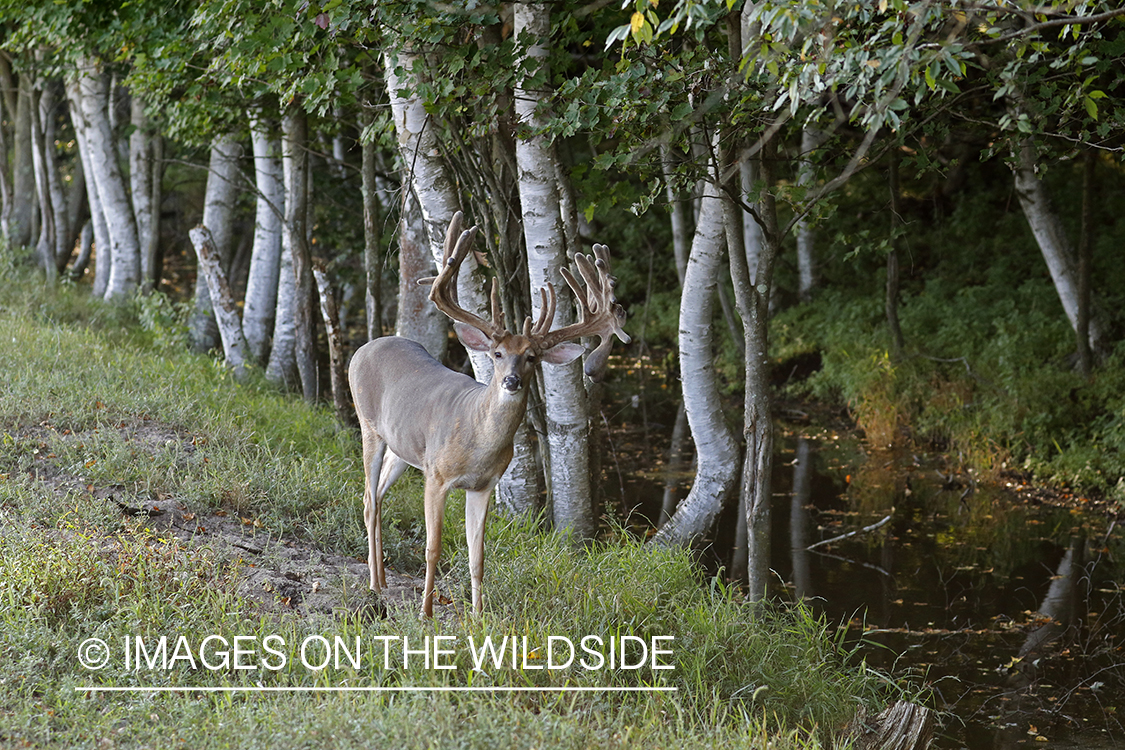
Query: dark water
pixel 1007 604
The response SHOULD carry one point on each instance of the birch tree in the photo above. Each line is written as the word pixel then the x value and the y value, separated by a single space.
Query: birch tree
pixel 92 99
pixel 219 202
pixel 563 387
pixel 265 258
pixel 425 172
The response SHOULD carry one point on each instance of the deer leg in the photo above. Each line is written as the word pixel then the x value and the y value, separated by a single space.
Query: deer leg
pixel 476 510
pixel 436 493
pixel 393 467
pixel 373 449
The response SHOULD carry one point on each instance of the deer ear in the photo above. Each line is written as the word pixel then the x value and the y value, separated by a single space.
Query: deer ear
pixel 563 354
pixel 472 337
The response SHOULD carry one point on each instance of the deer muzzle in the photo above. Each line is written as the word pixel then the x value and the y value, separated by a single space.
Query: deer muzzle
pixel 512 383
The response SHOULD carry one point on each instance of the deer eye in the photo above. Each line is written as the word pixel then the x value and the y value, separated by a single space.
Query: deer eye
pixel 498 354
pixel 531 359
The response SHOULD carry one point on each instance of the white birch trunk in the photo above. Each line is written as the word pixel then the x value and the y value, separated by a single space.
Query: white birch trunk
pixel 219 201
pixel 295 168
pixel 681 244
pixel 1052 240
pixel 563 388
pixel 97 215
pixel 6 187
pixel 420 151
pixel 63 235
pixel 811 140
pixel 125 253
pixel 751 231
pixel 418 319
pixel 45 246
pixel 230 327
pixel 282 366
pixel 144 178
pixel 265 258
pixel 716 450
pixel 21 221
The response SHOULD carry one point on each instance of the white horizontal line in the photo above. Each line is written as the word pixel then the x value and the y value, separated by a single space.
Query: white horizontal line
pixel 368 689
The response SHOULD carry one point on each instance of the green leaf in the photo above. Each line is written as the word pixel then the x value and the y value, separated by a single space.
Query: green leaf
pixel 1091 107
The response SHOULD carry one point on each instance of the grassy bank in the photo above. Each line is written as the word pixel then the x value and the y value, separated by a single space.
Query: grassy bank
pixel 104 416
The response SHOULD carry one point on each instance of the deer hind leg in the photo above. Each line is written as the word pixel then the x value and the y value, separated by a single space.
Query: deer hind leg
pixel 436 492
pixel 393 467
pixel 476 511
pixel 374 448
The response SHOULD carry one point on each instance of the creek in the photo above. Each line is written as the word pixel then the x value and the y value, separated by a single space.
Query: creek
pixel 1005 601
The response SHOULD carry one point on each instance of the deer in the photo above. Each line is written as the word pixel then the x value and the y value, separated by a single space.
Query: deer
pixel 414 411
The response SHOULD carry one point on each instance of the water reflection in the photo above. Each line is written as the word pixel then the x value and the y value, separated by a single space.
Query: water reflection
pixel 1011 611
pixel 989 597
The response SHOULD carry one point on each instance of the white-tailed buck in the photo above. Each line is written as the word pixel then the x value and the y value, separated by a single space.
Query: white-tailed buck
pixel 413 411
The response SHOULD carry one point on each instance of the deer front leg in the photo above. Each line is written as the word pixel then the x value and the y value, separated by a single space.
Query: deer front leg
pixel 393 467
pixel 476 512
pixel 436 493
pixel 373 449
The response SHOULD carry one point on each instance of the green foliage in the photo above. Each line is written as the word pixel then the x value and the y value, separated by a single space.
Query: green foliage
pixel 988 372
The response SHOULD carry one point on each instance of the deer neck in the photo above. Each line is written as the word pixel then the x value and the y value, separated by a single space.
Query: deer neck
pixel 501 410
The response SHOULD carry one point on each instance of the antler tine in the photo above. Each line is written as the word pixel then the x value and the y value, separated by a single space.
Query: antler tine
pixel 497 312
pixel 598 311
pixel 547 303
pixel 443 287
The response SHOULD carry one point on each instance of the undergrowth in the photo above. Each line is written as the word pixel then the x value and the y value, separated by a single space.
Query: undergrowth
pixel 988 373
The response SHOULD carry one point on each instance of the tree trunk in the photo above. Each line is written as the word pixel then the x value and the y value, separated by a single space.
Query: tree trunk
pixel 45 246
pixel 753 300
pixel 811 140
pixel 418 319
pixel 891 302
pixel 424 171
pixel 124 249
pixel 265 257
pixel 564 391
pixel 144 177
pixel 372 260
pixel 678 214
pixel 1085 259
pixel 294 127
pixel 337 369
pixel 219 202
pixel 281 370
pixel 1053 243
pixel 751 231
pixel 226 312
pixel 101 245
pixel 22 218
pixel 7 103
pixel 716 450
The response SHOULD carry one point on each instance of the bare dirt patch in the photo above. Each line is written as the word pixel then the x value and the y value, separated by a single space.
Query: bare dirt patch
pixel 275 574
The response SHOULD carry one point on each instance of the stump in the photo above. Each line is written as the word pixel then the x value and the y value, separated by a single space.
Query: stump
pixel 900 726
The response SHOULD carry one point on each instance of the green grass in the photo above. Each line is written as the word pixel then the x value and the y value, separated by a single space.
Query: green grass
pixel 95 402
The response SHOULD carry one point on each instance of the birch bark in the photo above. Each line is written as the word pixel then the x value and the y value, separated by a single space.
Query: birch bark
pixel 101 245
pixel 563 388
pixel 121 225
pixel 717 452
pixel 420 150
pixel 218 216
pixel 265 258
pixel 1052 240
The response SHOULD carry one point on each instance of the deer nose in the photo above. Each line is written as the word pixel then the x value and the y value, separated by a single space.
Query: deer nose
pixel 511 383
